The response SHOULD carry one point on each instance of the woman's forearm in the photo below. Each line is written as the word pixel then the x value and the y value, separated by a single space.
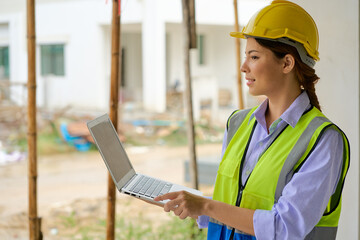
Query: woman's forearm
pixel 239 218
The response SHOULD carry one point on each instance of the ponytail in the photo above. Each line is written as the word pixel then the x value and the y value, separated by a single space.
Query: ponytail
pixel 307 79
pixel 305 75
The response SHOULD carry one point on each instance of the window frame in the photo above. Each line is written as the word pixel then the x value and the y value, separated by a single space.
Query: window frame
pixel 53 58
pixel 6 61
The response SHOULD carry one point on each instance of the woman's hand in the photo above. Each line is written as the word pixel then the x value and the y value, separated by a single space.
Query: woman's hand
pixel 183 204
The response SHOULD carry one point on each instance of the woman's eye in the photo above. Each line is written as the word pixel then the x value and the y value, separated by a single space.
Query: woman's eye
pixel 254 57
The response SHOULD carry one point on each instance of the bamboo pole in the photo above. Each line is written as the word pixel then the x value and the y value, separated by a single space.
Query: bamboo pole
pixel 188 95
pixel 238 57
pixel 114 96
pixel 192 24
pixel 34 220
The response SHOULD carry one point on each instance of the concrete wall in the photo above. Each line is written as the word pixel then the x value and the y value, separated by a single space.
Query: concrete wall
pixel 338 89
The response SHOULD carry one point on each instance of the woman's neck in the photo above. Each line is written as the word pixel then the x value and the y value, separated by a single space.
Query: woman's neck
pixel 277 105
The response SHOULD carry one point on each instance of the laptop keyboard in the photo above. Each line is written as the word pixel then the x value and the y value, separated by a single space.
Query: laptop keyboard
pixel 150 187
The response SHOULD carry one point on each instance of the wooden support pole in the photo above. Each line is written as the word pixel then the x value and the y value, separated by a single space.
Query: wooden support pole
pixel 114 96
pixel 188 95
pixel 34 220
pixel 192 24
pixel 238 58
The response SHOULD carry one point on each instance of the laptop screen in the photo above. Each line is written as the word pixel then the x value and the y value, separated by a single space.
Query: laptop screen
pixel 110 147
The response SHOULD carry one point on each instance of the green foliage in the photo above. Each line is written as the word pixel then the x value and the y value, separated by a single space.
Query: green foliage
pixel 175 229
pixel 50 141
pixel 69 221
pixel 129 230
pixel 180 229
pixel 134 229
pixel 176 138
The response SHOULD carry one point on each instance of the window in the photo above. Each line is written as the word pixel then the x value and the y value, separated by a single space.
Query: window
pixel 200 45
pixel 52 60
pixel 4 63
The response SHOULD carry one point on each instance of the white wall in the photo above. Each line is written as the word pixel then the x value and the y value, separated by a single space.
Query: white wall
pixel 68 23
pixel 338 89
pixel 131 42
pixel 15 37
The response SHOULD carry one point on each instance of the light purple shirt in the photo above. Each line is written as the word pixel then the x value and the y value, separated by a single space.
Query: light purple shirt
pixel 305 197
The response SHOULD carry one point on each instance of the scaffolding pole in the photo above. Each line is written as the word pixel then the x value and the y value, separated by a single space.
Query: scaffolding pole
pixel 188 7
pixel 238 57
pixel 114 96
pixel 34 220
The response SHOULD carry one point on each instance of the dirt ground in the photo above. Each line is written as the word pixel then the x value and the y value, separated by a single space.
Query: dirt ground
pixel 77 182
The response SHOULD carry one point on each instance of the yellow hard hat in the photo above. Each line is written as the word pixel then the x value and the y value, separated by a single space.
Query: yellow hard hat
pixel 284 20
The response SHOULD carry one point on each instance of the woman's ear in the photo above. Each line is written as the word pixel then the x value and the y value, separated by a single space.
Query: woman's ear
pixel 289 63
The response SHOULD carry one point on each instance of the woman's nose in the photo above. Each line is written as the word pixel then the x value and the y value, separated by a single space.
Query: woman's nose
pixel 244 67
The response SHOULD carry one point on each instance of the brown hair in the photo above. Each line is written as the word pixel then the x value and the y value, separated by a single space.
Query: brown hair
pixel 305 74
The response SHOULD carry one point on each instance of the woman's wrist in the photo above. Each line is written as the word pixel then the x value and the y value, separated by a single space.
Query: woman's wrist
pixel 207 206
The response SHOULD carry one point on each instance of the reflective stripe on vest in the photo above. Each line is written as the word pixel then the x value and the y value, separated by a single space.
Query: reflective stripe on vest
pixel 303 139
pixel 296 153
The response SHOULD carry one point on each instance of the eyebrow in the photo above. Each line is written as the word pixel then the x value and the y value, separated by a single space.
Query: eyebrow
pixel 251 51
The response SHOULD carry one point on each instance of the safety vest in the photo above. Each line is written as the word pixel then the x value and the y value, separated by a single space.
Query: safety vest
pixel 289 148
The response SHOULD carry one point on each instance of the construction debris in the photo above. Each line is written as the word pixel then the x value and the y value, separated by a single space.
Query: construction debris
pixel 12 157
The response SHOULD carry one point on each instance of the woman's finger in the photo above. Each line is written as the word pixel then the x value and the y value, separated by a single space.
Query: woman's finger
pixel 166 196
pixel 172 205
pixel 184 214
pixel 178 211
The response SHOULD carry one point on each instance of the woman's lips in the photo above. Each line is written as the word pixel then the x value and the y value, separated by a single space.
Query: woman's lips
pixel 249 81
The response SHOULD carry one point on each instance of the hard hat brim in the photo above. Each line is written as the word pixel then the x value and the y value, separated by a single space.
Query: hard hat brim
pixel 238 35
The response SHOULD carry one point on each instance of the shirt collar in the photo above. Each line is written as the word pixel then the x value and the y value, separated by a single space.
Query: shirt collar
pixel 291 115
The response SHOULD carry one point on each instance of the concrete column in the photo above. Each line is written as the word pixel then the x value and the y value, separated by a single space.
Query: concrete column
pixel 338 90
pixel 154 66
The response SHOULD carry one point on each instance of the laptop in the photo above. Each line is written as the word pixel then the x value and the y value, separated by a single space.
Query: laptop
pixel 127 181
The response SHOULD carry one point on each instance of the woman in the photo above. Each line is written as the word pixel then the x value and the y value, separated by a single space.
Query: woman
pixel 284 163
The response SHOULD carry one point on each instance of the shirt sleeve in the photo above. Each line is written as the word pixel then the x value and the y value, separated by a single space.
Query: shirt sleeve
pixel 203 221
pixel 305 197
pixel 224 144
